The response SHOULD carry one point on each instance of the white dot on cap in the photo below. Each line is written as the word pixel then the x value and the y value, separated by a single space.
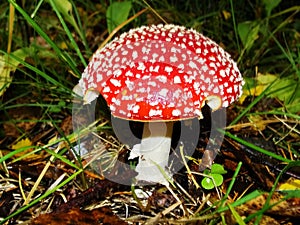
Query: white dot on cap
pixel 162 78
pixel 115 82
pixel 192 65
pixel 163 92
pixel 176 112
pixel 141 66
pixel 99 77
pixel 129 74
pixel 173 59
pixel 122 112
pixel 154 69
pixel 152 83
pixel 130 85
pixel 135 109
pixel 124 52
pixel 187 110
pixel 216 90
pixel 134 54
pixel 154 112
pixel 177 80
pixel 198 50
pixel 117 72
pixel 168 69
pixel 175 50
pixel 229 90
pixel 222 73
pixel 106 89
pixel 112 108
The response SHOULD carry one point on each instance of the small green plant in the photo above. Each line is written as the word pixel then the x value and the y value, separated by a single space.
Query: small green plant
pixel 113 16
pixel 214 176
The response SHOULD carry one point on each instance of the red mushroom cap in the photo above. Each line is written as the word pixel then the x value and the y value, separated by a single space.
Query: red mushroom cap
pixel 162 72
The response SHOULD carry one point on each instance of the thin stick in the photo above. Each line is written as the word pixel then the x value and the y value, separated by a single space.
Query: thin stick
pixel 154 11
pixel 119 27
pixel 11 26
pixel 36 184
pixel 187 167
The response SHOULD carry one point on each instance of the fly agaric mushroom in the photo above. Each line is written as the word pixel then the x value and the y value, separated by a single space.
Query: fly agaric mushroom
pixel 158 74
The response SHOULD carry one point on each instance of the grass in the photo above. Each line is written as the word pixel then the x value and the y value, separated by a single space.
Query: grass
pixel 58 38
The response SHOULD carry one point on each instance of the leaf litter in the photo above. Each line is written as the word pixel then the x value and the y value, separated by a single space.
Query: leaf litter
pixel 95 198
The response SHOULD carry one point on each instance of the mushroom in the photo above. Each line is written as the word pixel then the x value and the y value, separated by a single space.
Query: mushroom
pixel 158 74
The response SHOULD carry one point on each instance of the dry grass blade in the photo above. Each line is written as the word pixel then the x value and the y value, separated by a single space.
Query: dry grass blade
pixel 42 174
pixel 10 27
pixel 187 168
pixel 155 12
pixel 156 219
pixel 3 166
pixel 262 122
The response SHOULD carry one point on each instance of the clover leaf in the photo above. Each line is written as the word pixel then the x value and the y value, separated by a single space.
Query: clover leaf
pixel 214 177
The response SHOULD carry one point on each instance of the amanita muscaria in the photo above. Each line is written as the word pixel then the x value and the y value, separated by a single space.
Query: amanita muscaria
pixel 158 74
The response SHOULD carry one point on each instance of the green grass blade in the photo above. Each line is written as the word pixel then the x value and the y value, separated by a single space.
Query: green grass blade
pixel 80 28
pixel 36 8
pixel 241 201
pixel 256 148
pixel 237 217
pixel 36 70
pixel 235 26
pixel 68 33
pixel 46 194
pixel 267 205
pixel 280 113
pixel 35 148
pixel 64 56
pixel 236 172
pixel 63 159
pixel 19 150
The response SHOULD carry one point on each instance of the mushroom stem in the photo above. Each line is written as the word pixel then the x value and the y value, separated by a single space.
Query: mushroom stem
pixel 154 152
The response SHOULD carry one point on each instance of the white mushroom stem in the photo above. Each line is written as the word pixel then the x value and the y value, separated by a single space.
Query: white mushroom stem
pixel 154 152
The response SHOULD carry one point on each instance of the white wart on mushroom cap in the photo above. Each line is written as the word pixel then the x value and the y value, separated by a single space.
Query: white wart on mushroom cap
pixel 162 72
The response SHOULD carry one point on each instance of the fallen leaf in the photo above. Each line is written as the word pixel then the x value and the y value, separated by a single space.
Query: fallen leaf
pixel 226 14
pixel 77 216
pixel 25 147
pixel 9 64
pixel 21 144
pixel 285 89
pixel 289 185
pixel 288 207
pixel 258 122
